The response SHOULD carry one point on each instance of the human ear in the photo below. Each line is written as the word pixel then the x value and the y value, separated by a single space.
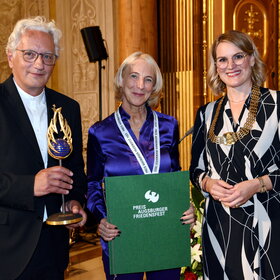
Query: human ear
pixel 252 61
pixel 10 58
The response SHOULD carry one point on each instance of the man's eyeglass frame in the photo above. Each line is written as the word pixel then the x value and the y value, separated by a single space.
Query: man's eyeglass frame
pixel 37 55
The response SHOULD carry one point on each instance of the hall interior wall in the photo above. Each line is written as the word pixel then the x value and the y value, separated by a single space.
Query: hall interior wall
pixel 177 33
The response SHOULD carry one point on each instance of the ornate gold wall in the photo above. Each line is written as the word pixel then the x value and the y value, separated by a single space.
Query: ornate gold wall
pixel 177 65
pixel 126 26
pixel 73 74
pixel 187 31
pixel 178 33
pixel 136 28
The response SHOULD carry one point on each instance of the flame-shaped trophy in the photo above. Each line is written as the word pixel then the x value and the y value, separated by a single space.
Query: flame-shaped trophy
pixel 60 149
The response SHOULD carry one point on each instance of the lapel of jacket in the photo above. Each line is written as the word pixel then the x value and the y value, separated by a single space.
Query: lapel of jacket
pixel 21 119
pixel 50 104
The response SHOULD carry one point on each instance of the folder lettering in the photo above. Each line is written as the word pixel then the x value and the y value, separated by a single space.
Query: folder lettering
pixel 147 210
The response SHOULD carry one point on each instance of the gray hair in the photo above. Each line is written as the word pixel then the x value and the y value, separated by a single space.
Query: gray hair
pixel 154 99
pixel 38 23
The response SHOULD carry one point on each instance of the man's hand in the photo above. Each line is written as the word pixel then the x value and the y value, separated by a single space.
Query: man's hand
pixel 75 207
pixel 56 179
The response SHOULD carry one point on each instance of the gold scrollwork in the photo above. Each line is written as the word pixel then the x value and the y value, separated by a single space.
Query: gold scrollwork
pixel 250 17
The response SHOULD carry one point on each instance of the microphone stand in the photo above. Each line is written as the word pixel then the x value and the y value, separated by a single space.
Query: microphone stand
pixel 190 131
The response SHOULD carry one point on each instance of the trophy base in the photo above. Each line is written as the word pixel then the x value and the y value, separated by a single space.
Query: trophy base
pixel 66 218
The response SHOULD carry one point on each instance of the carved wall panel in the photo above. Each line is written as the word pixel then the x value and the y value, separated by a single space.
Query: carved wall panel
pixel 83 13
pixel 250 17
pixel 259 19
pixel 75 75
pixel 11 11
pixel 255 19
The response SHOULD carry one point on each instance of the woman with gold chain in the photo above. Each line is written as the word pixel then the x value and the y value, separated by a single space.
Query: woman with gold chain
pixel 235 162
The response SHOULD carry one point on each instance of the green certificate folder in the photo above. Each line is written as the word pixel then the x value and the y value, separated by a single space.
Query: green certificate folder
pixel 147 210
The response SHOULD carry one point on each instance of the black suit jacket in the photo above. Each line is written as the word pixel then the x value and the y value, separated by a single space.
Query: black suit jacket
pixel 21 214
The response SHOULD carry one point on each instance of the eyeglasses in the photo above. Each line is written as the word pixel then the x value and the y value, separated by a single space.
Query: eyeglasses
pixel 31 56
pixel 237 59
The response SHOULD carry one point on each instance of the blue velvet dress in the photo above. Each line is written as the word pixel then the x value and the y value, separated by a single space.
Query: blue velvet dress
pixel 109 155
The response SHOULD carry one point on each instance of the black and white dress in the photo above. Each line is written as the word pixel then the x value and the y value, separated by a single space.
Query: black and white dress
pixel 240 243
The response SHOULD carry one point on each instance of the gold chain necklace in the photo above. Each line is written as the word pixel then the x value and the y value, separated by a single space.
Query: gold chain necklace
pixel 230 138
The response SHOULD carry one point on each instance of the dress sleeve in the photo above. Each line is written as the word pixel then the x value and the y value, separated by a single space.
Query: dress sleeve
pixel 95 175
pixel 174 151
pixel 274 170
pixel 275 174
pixel 198 168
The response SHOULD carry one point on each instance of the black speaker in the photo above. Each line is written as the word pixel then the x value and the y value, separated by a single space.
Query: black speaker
pixel 93 41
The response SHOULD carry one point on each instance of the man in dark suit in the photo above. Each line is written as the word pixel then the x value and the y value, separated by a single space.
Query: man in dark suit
pixel 32 182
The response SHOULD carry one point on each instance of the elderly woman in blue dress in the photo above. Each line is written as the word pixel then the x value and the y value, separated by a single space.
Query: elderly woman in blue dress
pixel 138 85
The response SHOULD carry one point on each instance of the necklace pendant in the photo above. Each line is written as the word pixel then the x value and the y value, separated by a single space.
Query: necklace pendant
pixel 230 138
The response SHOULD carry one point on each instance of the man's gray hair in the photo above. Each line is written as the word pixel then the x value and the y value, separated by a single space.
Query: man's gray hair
pixel 38 23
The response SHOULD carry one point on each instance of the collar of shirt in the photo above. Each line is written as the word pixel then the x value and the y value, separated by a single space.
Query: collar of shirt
pixel 36 110
pixel 126 116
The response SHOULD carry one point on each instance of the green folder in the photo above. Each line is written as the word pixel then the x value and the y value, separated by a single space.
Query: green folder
pixel 147 210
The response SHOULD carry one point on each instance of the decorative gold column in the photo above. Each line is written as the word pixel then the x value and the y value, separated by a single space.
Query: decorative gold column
pixel 177 63
pixel 136 22
pixel 213 25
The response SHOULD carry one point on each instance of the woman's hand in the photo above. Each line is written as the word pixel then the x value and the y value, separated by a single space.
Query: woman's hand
pixel 108 231
pixel 218 189
pixel 242 192
pixel 189 216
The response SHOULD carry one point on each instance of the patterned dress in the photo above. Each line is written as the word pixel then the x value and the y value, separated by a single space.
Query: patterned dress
pixel 240 243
